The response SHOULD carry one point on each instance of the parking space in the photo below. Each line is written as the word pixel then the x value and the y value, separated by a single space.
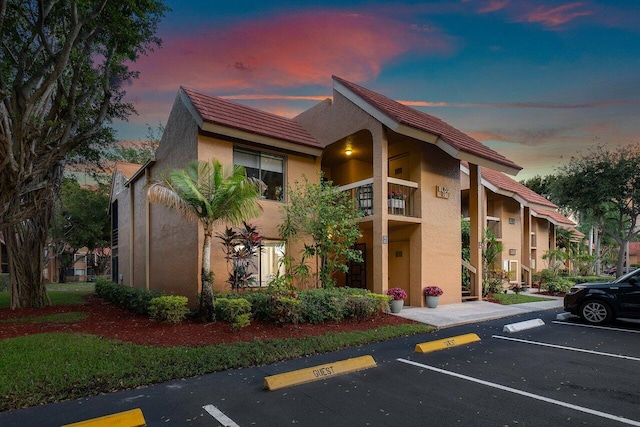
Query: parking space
pixel 560 373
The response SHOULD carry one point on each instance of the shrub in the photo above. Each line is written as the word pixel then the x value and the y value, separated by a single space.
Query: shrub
pixel 321 305
pixel 543 276
pixel 559 285
pixel 134 299
pixel 313 305
pixel 236 311
pixel 169 308
pixel 284 309
pixel 361 307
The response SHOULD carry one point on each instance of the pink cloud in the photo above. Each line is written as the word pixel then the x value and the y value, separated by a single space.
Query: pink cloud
pixel 555 16
pixel 493 5
pixel 286 51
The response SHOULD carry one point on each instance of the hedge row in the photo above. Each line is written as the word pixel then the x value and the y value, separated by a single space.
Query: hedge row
pixel 134 299
pixel 313 305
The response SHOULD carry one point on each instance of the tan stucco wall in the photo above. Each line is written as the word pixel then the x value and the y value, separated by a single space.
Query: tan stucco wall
pixel 173 253
pixel 268 221
pixel 441 233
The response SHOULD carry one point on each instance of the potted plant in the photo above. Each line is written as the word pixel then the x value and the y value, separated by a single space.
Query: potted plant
pixel 396 199
pixel 398 295
pixel 432 295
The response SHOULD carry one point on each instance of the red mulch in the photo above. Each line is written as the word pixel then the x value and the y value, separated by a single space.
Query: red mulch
pixel 109 321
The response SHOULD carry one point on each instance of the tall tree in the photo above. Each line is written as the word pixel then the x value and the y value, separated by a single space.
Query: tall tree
pixel 208 193
pixel 540 184
pixel 604 186
pixel 63 64
pixel 328 216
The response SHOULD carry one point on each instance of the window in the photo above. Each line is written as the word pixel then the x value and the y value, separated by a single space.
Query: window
pixel 268 261
pixel 269 168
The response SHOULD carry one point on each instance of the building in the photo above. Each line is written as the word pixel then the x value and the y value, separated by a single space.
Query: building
pixel 401 166
pixel 525 222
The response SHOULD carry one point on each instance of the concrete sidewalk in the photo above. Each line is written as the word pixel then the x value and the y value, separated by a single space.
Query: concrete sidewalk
pixel 445 316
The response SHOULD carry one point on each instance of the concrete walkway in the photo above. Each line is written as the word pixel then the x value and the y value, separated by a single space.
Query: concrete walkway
pixel 445 316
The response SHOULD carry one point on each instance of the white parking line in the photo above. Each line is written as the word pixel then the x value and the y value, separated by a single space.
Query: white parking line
pixel 609 328
pixel 562 347
pixel 220 416
pixel 526 394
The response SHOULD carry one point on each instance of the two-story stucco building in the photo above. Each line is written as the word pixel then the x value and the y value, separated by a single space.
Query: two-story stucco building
pixel 401 166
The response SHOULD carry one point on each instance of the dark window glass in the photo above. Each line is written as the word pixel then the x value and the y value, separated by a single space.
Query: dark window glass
pixel 269 168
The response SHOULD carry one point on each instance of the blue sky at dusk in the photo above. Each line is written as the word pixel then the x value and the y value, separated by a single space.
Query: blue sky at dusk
pixel 538 81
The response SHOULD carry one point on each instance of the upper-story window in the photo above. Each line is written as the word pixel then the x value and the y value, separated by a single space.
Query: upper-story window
pixel 267 167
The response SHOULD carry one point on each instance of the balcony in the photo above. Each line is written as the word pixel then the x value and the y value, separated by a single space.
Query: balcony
pixel 400 196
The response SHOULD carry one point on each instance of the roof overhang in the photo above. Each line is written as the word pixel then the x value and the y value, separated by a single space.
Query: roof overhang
pixel 244 135
pixel 419 134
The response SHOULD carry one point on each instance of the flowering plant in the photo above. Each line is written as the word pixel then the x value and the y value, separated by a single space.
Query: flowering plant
pixel 432 291
pixel 397 293
pixel 397 195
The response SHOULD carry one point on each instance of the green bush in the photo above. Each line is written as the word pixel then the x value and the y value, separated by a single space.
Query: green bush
pixel 543 276
pixel 312 305
pixel 322 305
pixel 134 299
pixel 235 311
pixel 169 308
pixel 284 309
pixel 559 285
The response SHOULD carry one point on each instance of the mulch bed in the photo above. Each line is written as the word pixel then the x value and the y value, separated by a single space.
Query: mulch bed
pixel 109 321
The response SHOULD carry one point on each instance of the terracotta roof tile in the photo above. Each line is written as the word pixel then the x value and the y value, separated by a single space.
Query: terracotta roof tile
pixel 556 216
pixel 425 122
pixel 225 113
pixel 127 169
pixel 502 181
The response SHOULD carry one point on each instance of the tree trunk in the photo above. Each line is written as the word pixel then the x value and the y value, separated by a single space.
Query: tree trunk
pixel 25 242
pixel 207 311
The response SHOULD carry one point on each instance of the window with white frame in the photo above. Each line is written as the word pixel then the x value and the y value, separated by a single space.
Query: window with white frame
pixel 267 167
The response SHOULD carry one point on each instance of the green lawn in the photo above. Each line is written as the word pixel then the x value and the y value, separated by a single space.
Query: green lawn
pixel 51 367
pixel 506 299
pixel 60 293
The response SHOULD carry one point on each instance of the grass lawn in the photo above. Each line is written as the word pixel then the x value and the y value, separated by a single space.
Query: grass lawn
pixel 51 367
pixel 506 299
pixel 60 293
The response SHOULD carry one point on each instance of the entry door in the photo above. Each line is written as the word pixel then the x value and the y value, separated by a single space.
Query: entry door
pixel 399 266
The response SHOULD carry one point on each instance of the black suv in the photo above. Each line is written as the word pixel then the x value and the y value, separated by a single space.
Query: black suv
pixel 600 303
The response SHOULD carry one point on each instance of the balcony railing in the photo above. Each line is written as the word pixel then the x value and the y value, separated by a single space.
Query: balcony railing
pixel 400 196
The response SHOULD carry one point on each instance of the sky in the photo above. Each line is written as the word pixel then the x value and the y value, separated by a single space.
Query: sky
pixel 538 81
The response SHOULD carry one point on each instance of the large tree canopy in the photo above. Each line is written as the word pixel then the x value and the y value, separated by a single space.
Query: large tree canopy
pixel 603 186
pixel 62 67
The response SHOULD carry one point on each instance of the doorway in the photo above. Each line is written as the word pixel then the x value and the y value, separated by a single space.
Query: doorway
pixel 399 266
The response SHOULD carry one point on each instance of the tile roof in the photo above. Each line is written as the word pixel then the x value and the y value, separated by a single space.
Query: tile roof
pixel 127 169
pixel 556 216
pixel 225 113
pixel 503 182
pixel 425 122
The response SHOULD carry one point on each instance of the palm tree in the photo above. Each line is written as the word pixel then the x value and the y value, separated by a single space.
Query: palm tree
pixel 208 193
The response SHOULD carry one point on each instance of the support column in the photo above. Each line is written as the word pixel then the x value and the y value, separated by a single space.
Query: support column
pixel 380 213
pixel 476 223
pixel 526 245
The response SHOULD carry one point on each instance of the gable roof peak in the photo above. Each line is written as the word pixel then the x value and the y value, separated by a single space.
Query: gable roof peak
pixel 409 121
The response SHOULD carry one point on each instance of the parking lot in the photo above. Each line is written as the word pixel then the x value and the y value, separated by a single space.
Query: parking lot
pixel 560 373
